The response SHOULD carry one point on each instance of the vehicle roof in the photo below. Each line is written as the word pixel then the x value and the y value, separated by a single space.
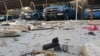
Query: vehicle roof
pixel 56 6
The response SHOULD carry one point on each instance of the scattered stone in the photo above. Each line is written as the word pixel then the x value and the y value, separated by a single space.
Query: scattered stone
pixel 66 42
pixel 10 51
pixel 71 46
pixel 68 29
pixel 73 54
pixel 27 54
pixel 85 33
pixel 50 54
pixel 91 33
pixel 94 38
pixel 42 53
pixel 35 34
pixel 32 37
pixel 15 39
pixel 67 39
pixel 64 48
pixel 3 44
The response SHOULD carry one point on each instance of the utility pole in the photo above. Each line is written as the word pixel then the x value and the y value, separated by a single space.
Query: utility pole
pixel 5 5
pixel 21 9
pixel 32 4
pixel 91 12
pixel 76 10
pixel 82 10
pixel 21 3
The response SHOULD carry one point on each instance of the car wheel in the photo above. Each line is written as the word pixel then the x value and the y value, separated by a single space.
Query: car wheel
pixel 66 17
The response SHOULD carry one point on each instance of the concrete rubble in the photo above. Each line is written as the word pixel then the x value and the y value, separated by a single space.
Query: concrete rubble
pixel 91 49
pixel 69 33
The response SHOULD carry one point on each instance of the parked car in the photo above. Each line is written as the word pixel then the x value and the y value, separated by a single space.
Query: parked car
pixel 35 14
pixel 95 12
pixel 58 11
pixel 15 16
pixel 2 18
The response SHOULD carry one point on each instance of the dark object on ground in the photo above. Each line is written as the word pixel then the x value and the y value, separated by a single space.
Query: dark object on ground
pixel 55 44
pixel 57 48
pixel 64 48
pixel 69 29
pixel 55 40
pixel 27 54
pixel 15 39
pixel 91 33
pixel 51 45
pixel 5 24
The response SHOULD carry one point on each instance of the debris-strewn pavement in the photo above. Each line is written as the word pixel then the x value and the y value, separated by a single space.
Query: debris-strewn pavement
pixel 75 38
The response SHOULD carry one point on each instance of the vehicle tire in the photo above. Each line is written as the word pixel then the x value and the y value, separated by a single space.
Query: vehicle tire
pixel 36 17
pixel 66 16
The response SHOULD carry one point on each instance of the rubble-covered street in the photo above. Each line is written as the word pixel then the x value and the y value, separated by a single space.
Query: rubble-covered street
pixel 70 33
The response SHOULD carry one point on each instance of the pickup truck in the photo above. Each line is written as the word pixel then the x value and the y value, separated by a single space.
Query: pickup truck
pixel 58 11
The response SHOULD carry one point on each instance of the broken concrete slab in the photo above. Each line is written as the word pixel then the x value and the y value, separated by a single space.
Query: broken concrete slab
pixel 9 33
pixel 39 53
pixel 91 49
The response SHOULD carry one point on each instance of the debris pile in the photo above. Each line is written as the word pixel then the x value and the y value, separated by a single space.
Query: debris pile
pixel 39 53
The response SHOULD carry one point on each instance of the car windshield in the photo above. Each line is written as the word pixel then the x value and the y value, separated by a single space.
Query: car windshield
pixel 57 6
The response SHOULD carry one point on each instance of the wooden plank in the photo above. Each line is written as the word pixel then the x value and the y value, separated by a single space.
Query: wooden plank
pixel 42 29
